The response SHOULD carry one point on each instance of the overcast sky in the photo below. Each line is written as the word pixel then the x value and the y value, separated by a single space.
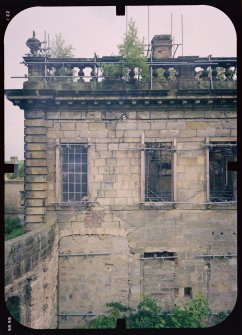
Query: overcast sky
pixel 206 30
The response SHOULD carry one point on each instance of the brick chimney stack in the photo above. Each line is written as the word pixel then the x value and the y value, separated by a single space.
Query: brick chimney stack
pixel 161 46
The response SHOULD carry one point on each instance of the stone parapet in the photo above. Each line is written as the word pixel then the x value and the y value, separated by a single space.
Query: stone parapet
pixel 31 275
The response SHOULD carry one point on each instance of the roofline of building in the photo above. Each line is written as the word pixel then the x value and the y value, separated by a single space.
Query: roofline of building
pixel 217 97
pixel 52 93
pixel 181 60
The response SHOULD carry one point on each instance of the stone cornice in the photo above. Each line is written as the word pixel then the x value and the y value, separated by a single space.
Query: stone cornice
pixel 23 98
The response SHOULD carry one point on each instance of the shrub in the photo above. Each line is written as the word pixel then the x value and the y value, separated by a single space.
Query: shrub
pixel 193 314
pixel 110 321
pixel 21 169
pixel 220 317
pixel 147 315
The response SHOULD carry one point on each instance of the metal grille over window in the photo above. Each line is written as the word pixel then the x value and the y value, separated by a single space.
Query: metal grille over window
pixel 223 183
pixel 74 172
pixel 158 172
pixel 157 254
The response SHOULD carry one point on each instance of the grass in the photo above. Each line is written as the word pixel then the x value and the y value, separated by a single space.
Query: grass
pixel 12 227
pixel 14 233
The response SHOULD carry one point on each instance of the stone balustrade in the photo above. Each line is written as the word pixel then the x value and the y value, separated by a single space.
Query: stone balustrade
pixel 171 73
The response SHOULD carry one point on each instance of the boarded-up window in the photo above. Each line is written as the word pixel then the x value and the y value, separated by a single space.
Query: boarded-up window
pixel 159 280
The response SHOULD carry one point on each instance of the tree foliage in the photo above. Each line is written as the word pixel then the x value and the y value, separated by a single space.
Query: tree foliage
pixel 12 227
pixel 109 321
pixel 19 173
pixel 146 316
pixel 133 66
pixel 220 317
pixel 113 71
pixel 21 169
pixel 193 314
pixel 59 47
pixel 132 50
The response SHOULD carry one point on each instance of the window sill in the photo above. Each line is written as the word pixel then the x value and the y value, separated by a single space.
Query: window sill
pixel 157 205
pixel 222 205
pixel 72 204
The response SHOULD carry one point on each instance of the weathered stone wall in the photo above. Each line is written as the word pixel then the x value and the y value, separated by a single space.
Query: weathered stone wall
pixel 99 262
pixel 188 233
pixel 12 202
pixel 117 224
pixel 31 274
pixel 101 244
pixel 114 149
pixel 87 283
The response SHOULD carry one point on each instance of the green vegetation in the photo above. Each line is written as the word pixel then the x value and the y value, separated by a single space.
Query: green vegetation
pixel 133 67
pixel 132 51
pixel 19 174
pixel 110 321
pixel 194 314
pixel 113 71
pixel 14 308
pixel 220 317
pixel 130 72
pixel 21 169
pixel 12 227
pixel 146 316
pixel 59 48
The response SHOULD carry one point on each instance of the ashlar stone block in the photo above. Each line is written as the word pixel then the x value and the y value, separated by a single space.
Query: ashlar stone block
pixel 35 138
pixel 35 154
pixel 35 162
pixel 35 170
pixel 35 210
pixel 68 126
pixel 35 146
pixel 34 123
pixel 96 126
pixel 35 186
pixel 35 131
pixel 35 194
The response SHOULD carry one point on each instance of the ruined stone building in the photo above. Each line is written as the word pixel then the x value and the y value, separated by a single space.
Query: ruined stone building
pixel 129 189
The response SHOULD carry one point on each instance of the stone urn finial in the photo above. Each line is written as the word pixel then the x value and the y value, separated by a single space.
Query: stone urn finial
pixel 33 44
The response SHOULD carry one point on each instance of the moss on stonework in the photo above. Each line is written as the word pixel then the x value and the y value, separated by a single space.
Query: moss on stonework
pixel 67 84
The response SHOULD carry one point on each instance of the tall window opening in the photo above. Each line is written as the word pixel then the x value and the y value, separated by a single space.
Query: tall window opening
pixel 223 182
pixel 158 172
pixel 74 172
